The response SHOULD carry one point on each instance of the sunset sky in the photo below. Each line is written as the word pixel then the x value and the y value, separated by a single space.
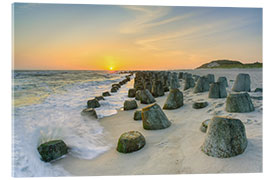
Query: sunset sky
pixel 100 37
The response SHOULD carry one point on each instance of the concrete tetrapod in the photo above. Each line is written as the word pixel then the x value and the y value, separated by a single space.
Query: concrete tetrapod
pixel 239 102
pixel 175 99
pixel 242 83
pixel 225 137
pixel 154 118
pixel 130 141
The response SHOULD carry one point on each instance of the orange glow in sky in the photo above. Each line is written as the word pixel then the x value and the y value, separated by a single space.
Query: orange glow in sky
pixel 103 37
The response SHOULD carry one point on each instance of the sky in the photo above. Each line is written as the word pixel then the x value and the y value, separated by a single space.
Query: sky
pixel 104 37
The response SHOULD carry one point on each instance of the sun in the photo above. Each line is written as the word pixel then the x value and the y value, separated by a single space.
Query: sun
pixel 111 68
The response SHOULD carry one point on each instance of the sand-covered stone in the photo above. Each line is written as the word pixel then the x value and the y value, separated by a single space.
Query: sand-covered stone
pixel 180 75
pixel 139 86
pixel 146 97
pixel 93 103
pixel 106 94
pixel 226 137
pixel 128 78
pixel 239 102
pixel 199 104
pixel 204 125
pixel 114 89
pixel 174 99
pixel 211 78
pixel 196 77
pixel 52 150
pixel 174 83
pixel 258 90
pixel 188 75
pixel 217 90
pixel 157 89
pixel 242 83
pixel 116 85
pixel 256 97
pixel 223 80
pixel 138 95
pixel 132 92
pixel 124 81
pixel 138 115
pixel 166 88
pixel 138 81
pixel 174 74
pixel 121 83
pixel 202 85
pixel 130 104
pixel 154 118
pixel 89 112
pixel 130 141
pixel 99 98
pixel 189 83
pixel 148 85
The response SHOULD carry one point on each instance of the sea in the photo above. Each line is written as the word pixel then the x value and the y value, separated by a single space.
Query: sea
pixel 47 106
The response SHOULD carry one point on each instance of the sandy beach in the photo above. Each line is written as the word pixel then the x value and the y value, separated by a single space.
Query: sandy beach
pixel 176 150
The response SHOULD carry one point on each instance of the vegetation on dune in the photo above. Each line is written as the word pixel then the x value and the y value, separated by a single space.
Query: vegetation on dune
pixel 229 64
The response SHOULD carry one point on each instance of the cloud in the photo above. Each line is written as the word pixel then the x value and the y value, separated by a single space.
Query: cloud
pixel 20 8
pixel 143 18
pixel 150 43
pixel 27 5
pixel 166 21
pixel 192 34
pixel 147 17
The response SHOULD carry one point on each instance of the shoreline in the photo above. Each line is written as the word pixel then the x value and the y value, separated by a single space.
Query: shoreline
pixel 175 150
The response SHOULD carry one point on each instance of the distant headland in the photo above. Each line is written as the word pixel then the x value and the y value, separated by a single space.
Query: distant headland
pixel 229 64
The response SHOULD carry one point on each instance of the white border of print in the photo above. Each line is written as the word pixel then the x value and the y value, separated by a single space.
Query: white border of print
pixel 6 59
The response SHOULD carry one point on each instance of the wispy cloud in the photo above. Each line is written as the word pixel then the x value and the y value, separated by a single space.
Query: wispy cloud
pixel 144 18
pixel 151 43
pixel 166 21
pixel 25 7
pixel 193 33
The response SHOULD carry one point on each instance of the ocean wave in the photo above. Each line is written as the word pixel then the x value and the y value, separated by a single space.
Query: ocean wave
pixel 57 116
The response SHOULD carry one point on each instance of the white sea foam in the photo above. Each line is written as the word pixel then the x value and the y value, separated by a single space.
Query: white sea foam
pixel 58 117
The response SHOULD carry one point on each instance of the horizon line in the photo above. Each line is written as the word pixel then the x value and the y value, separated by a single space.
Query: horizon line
pixel 100 69
pixel 13 69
